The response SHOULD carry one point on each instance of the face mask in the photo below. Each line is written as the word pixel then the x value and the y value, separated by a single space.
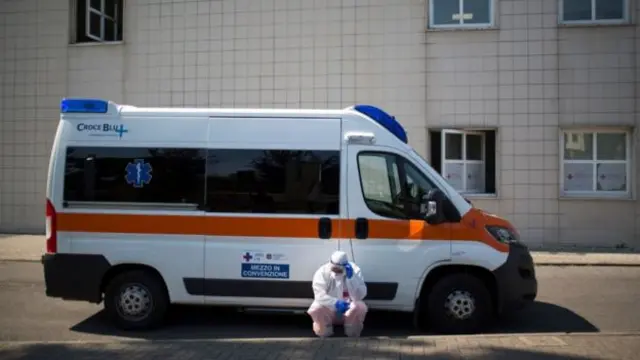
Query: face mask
pixel 337 269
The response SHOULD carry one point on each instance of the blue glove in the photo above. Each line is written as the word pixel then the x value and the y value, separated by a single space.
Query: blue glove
pixel 348 270
pixel 342 306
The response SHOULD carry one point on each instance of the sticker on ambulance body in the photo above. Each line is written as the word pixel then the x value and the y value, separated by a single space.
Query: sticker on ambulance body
pixel 268 271
pixel 263 257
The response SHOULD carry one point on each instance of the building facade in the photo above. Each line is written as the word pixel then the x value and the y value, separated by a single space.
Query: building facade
pixel 530 107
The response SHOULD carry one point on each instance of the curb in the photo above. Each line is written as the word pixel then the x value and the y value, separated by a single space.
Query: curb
pixel 585 264
pixel 19 260
pixel 586 259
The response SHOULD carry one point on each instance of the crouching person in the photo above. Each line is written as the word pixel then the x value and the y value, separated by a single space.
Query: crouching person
pixel 339 289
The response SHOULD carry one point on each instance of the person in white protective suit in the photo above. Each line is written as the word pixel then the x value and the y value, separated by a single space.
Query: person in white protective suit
pixel 338 288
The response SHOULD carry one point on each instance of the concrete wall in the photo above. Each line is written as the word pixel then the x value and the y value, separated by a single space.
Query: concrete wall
pixel 33 77
pixel 528 78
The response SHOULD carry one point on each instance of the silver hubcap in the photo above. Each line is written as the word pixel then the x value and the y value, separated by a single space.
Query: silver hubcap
pixel 135 302
pixel 460 304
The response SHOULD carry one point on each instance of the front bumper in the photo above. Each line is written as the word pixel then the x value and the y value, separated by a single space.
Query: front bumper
pixel 516 279
pixel 74 276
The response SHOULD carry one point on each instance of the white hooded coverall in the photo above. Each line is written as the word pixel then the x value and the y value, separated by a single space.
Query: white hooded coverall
pixel 328 288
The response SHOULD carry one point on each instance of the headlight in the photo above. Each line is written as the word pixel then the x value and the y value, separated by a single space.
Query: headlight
pixel 503 234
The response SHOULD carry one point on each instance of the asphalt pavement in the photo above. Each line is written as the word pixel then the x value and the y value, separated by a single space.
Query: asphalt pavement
pixel 583 313
pixel 571 299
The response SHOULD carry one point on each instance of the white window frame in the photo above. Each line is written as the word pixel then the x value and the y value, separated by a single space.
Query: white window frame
pixel 461 24
pixel 594 193
pixel 625 15
pixel 464 161
pixel 103 16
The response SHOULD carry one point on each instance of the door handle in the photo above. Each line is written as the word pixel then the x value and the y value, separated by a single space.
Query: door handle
pixel 324 228
pixel 362 228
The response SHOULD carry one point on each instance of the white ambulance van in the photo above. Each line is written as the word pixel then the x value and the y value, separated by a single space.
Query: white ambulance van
pixel 148 207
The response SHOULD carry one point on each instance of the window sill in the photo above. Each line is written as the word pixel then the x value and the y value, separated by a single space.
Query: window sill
pixel 480 196
pixel 95 43
pixel 478 27
pixel 591 24
pixel 596 197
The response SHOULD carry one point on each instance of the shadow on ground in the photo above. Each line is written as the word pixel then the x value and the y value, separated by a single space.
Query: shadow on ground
pixel 210 323
pixel 299 350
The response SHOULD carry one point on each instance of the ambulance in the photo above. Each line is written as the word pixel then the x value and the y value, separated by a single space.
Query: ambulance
pixel 148 207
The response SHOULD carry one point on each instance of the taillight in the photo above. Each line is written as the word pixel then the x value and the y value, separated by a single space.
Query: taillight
pixel 50 229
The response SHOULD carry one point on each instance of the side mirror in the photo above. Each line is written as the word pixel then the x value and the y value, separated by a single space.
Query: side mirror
pixel 432 207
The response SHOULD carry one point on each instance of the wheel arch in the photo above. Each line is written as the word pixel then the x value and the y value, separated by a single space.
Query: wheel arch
pixel 128 267
pixel 441 271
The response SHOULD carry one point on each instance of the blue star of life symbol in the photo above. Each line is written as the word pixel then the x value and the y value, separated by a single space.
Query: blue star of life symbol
pixel 138 173
pixel 247 257
pixel 120 130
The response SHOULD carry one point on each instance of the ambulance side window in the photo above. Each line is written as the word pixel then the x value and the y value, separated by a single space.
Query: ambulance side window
pixel 416 187
pixel 381 181
pixel 273 181
pixel 134 175
pixel 391 185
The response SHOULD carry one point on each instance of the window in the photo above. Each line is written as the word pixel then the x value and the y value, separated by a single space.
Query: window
pixel 150 176
pixel 391 186
pixel 593 11
pixel 273 181
pixel 596 162
pixel 97 20
pixel 460 13
pixel 466 159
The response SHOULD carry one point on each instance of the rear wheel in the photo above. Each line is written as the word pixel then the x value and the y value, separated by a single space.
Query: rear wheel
pixel 136 300
pixel 459 303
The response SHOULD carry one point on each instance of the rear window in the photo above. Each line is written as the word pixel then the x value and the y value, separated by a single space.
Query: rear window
pixel 135 175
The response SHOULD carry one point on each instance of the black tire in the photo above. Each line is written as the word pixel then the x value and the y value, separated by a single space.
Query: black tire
pixel 478 317
pixel 156 296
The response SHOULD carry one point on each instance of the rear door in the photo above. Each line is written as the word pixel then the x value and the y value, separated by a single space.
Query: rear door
pixel 273 209
pixel 391 243
pixel 134 194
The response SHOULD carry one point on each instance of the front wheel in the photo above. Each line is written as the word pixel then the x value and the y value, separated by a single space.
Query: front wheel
pixel 136 300
pixel 459 303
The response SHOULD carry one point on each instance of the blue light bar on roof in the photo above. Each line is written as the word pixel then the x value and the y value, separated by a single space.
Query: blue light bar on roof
pixel 387 121
pixel 84 106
